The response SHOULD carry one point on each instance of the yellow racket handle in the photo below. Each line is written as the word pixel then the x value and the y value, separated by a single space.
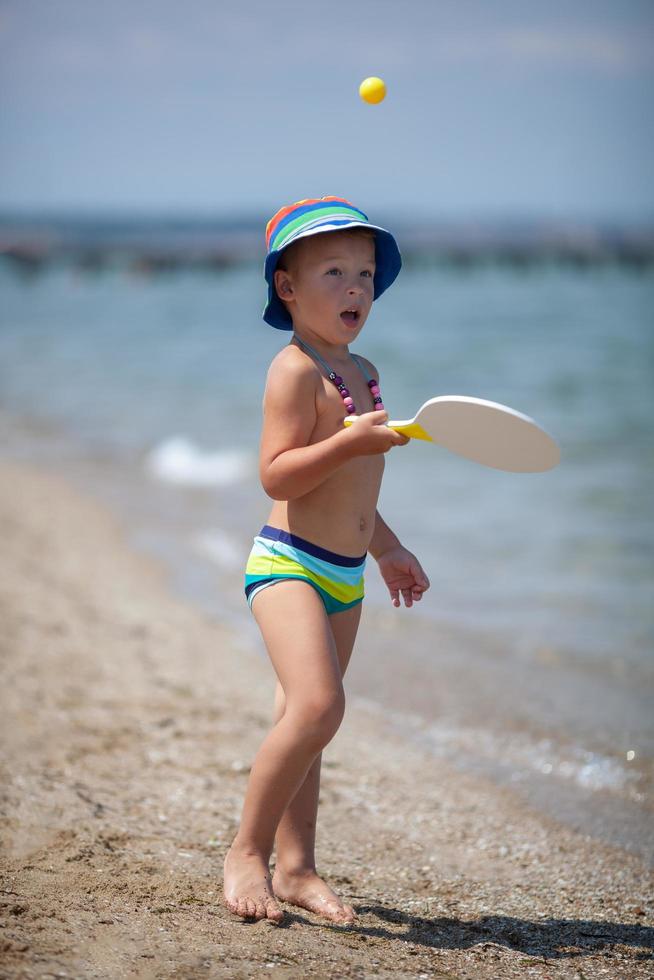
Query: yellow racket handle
pixel 413 430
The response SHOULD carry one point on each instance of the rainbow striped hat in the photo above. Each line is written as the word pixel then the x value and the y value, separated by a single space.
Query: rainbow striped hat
pixel 311 217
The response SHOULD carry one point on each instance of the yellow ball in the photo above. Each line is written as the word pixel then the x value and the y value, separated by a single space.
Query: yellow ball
pixel 372 90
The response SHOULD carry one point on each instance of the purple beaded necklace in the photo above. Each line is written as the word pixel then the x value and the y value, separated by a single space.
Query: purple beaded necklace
pixel 337 380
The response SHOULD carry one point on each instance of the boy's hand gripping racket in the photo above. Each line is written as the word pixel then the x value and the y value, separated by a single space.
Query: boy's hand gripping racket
pixel 484 431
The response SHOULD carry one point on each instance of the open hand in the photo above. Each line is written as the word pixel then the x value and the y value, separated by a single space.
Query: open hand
pixel 403 573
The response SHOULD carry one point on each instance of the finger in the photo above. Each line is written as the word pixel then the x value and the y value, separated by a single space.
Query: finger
pixel 407 597
pixel 395 597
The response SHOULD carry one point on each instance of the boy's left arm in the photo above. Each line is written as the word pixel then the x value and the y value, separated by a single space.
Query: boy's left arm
pixel 399 567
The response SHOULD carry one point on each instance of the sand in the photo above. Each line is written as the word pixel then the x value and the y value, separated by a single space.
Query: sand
pixel 129 720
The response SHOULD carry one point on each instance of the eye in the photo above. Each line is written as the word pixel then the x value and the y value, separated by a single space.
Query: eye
pixel 366 272
pixel 334 271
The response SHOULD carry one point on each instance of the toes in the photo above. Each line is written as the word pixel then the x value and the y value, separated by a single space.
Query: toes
pixel 247 908
pixel 274 912
pixel 341 912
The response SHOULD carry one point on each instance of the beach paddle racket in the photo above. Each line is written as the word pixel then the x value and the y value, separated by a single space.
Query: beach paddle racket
pixel 486 432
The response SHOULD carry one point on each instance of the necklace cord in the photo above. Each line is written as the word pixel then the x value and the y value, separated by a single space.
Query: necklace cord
pixel 339 383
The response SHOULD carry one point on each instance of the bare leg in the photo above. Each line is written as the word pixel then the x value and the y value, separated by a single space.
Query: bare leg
pixel 301 646
pixel 295 879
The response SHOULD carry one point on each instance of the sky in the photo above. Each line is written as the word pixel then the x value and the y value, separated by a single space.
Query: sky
pixel 494 108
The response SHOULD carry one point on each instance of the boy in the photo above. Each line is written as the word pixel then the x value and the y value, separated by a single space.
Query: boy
pixel 304 579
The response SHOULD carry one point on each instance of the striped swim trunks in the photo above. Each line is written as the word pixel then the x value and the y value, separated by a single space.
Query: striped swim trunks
pixel 277 555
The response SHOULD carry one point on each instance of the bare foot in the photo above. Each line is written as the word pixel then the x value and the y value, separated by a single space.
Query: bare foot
pixel 309 891
pixel 247 887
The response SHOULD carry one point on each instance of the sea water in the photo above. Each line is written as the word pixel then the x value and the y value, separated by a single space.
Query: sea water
pixel 529 660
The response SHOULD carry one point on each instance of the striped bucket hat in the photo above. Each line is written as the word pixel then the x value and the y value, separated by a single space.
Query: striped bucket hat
pixel 311 217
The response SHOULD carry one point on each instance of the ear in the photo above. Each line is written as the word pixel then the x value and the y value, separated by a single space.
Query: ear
pixel 284 285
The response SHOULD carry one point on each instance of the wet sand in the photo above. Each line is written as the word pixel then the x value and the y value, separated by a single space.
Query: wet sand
pixel 129 720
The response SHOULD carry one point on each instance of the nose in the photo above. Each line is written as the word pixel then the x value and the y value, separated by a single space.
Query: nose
pixel 355 288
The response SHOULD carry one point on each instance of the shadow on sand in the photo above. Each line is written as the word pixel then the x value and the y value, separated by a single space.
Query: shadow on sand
pixel 549 938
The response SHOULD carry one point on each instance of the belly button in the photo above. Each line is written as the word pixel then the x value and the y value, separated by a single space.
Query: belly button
pixel 362 524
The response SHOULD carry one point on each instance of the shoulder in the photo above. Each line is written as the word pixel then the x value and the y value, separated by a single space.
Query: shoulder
pixel 369 366
pixel 289 402
pixel 291 371
pixel 292 363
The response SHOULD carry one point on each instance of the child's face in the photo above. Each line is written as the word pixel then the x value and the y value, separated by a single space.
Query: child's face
pixel 329 275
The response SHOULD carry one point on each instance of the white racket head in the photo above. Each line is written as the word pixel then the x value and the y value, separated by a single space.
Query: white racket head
pixel 487 432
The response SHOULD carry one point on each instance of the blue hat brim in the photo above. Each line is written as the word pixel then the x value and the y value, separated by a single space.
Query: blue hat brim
pixel 388 262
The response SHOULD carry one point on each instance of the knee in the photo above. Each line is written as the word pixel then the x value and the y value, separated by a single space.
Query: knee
pixel 319 717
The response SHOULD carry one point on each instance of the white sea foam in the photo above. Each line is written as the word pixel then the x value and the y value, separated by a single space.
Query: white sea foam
pixel 220 547
pixel 178 460
pixel 589 770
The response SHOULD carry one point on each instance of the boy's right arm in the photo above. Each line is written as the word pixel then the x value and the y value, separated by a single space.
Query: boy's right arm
pixel 289 467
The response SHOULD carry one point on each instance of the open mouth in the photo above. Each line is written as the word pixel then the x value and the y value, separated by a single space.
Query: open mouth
pixel 351 317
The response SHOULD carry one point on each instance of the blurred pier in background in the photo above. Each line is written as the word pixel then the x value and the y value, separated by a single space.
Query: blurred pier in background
pixel 159 245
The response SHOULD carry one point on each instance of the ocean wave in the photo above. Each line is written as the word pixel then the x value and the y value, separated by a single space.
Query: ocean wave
pixel 521 755
pixel 220 548
pixel 178 460
pixel 514 755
